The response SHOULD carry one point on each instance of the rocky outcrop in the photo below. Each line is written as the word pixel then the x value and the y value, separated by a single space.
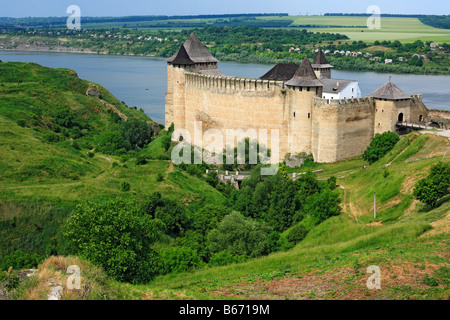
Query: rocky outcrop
pixel 93 92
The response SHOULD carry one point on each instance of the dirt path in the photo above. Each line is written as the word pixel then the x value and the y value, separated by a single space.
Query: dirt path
pixel 347 205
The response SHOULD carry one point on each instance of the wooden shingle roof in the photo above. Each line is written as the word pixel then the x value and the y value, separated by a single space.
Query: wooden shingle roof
pixel 390 92
pixel 281 72
pixel 305 76
pixel 196 51
pixel 321 61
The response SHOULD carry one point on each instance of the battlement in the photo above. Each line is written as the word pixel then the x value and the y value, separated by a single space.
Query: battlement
pixel 417 97
pixel 339 102
pixel 227 83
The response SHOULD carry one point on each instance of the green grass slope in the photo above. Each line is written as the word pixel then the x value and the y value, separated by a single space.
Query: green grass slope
pixel 408 241
pixel 43 176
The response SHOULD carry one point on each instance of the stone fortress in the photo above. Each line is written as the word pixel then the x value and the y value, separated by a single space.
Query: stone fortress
pixel 312 112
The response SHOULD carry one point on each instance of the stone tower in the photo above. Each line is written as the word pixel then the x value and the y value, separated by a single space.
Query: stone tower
pixel 302 89
pixel 192 57
pixel 321 66
pixel 392 105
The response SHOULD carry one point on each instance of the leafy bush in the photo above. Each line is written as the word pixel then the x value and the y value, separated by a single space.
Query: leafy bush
pixel 224 258
pixel 435 186
pixel 125 186
pixel 112 142
pixel 20 260
pixel 297 234
pixel 51 137
pixel 380 145
pixel 138 133
pixel 166 141
pixel 180 259
pixel 10 279
pixel 239 236
pixel 117 236
pixel 323 205
pixel 21 123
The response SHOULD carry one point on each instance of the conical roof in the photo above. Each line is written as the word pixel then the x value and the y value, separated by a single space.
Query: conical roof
pixel 321 61
pixel 196 51
pixel 305 76
pixel 389 92
pixel 281 72
pixel 182 57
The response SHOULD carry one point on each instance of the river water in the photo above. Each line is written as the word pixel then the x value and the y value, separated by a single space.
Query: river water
pixel 142 81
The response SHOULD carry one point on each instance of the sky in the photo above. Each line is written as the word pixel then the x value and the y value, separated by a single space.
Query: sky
pixel 46 8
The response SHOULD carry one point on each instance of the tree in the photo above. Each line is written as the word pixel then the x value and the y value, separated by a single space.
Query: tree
pixel 239 236
pixel 180 259
pixel 137 133
pixel 112 142
pixel 380 145
pixel 323 205
pixel 435 186
pixel 117 236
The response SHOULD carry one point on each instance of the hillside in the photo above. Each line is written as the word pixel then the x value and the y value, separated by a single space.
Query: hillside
pixel 50 133
pixel 408 241
pixel 52 175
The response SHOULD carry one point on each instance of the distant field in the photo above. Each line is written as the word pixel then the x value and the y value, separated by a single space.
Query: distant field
pixel 392 28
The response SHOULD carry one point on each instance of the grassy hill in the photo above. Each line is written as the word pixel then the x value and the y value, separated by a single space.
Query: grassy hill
pixel 44 175
pixel 408 241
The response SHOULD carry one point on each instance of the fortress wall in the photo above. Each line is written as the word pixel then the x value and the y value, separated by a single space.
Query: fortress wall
pixel 418 109
pixel 341 128
pixel 355 128
pixel 235 103
pixel 324 132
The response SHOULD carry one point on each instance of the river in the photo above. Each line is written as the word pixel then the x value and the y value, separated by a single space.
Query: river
pixel 142 81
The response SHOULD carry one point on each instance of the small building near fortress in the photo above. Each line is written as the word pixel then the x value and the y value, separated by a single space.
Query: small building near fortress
pixel 312 112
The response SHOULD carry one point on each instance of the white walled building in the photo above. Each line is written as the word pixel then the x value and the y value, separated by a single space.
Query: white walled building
pixel 340 89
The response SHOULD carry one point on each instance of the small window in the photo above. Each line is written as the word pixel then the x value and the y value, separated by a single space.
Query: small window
pixel 294 114
pixel 309 115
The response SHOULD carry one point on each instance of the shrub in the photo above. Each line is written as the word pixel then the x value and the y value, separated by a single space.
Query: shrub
pixel 75 145
pixel 435 186
pixel 125 186
pixel 239 236
pixel 224 258
pixel 323 205
pixel 166 141
pixel 137 133
pixel 91 154
pixel 180 259
pixel 112 142
pixel 10 279
pixel 141 160
pixel 117 236
pixel 21 123
pixel 160 177
pixel 380 145
pixel 297 234
pixel 20 260
pixel 51 137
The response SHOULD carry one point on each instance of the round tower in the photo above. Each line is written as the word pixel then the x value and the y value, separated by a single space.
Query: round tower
pixel 192 57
